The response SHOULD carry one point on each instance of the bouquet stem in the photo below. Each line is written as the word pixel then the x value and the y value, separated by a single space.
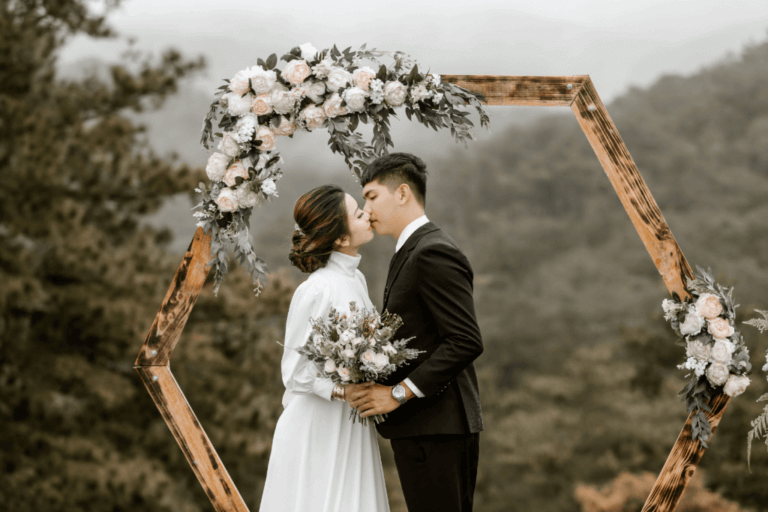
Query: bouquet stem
pixel 354 415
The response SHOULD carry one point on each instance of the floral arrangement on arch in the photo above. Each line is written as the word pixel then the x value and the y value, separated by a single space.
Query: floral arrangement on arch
pixel 716 353
pixel 328 89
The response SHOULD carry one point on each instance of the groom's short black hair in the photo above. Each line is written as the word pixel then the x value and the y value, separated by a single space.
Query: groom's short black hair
pixel 395 169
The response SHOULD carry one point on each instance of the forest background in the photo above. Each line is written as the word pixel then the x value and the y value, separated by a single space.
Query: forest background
pixel 578 379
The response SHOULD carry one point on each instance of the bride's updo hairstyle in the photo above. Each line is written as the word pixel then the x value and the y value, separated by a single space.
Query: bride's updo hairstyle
pixel 321 215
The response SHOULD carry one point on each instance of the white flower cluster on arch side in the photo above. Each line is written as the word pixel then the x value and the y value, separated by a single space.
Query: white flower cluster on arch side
pixel 329 89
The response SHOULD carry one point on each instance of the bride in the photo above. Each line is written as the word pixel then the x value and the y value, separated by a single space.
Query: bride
pixel 321 461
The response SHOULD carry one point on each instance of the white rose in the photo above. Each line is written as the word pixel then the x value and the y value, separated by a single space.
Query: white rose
pixel 348 353
pixel 346 336
pixel 227 201
pixel 229 145
pixel 736 385
pixel 246 197
pixel 313 117
pixel 699 350
pixel 722 351
pixel 239 105
pixel 355 98
pixel 330 366
pixel 368 357
pixel 357 341
pixel 217 166
pixel 314 91
pixel 236 170
pixel 337 78
pixel 296 71
pixel 717 373
pixel 285 128
pixel 381 361
pixel 343 372
pixel 419 93
pixel 720 328
pixel 283 101
pixel 261 79
pixel 394 93
pixel 693 322
pixel 261 105
pixel 308 51
pixel 322 68
pixel 239 84
pixel 269 188
pixel 363 76
pixel 708 306
pixel 267 138
pixel 333 108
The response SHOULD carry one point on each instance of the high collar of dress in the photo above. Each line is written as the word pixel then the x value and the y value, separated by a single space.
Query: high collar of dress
pixel 344 263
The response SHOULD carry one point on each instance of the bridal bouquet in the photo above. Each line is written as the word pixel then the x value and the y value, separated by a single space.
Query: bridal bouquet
pixel 716 353
pixel 357 348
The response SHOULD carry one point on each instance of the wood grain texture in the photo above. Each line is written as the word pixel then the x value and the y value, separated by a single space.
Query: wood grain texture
pixel 682 462
pixel 192 439
pixel 522 90
pixel 178 303
pixel 631 188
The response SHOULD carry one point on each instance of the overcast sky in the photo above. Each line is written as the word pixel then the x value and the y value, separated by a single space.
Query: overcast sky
pixel 618 42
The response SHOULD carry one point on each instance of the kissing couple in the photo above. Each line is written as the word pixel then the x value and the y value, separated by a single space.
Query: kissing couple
pixel 321 461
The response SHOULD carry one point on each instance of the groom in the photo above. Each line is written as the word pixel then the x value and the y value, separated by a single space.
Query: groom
pixel 433 404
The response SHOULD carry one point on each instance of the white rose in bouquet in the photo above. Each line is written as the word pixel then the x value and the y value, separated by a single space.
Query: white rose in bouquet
pixel 239 105
pixel 229 145
pixel 343 372
pixel 262 105
pixel 267 138
pixel 736 385
pixel 346 336
pixel 333 108
pixel 348 354
pixel 269 188
pixel 262 80
pixel 308 51
pixel 283 101
pixel 323 68
pixel 217 166
pixel 717 374
pixel 227 201
pixel 697 349
pixel 313 117
pixel 285 128
pixel 296 71
pixel 693 322
pixel 236 170
pixel 368 357
pixel 419 93
pixel 722 351
pixel 362 77
pixel 357 341
pixel 708 306
pixel 314 91
pixel 239 84
pixel 355 98
pixel 381 361
pixel 337 78
pixel 394 93
pixel 246 197
pixel 720 328
pixel 330 366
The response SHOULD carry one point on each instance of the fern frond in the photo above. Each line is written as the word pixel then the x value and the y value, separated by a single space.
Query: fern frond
pixel 759 430
pixel 760 323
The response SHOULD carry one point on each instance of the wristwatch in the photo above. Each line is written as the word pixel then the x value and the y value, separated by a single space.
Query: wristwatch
pixel 398 392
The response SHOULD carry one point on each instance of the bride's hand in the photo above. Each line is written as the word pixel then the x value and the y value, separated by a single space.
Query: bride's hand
pixel 351 390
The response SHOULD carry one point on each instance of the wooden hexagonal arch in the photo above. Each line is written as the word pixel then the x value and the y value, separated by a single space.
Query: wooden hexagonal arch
pixel 577 92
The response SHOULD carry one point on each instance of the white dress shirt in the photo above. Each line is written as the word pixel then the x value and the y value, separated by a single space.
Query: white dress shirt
pixel 404 236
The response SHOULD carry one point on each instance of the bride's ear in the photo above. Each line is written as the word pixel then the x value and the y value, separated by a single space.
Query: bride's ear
pixel 342 241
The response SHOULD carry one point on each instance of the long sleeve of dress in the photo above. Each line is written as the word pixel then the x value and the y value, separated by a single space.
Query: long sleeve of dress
pixel 312 299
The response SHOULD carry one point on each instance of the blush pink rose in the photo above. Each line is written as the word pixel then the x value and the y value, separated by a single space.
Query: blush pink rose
pixel 736 385
pixel 296 71
pixel 285 128
pixel 333 108
pixel 227 201
pixel 261 105
pixel 363 76
pixel 267 138
pixel 236 170
pixel 313 117
pixel 720 328
pixel 708 306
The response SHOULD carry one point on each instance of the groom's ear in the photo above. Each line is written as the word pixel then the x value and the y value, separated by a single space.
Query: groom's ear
pixel 403 193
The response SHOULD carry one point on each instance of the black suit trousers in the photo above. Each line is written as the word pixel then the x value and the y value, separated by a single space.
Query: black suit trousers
pixel 438 472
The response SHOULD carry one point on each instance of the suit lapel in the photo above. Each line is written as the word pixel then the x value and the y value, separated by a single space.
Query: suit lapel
pixel 401 257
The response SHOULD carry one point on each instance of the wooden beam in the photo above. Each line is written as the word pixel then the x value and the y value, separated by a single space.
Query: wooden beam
pixel 192 439
pixel 178 303
pixel 549 91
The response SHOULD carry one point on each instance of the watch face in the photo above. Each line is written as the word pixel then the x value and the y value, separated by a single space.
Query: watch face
pixel 398 391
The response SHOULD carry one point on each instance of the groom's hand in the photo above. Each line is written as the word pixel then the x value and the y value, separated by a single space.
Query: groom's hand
pixel 376 399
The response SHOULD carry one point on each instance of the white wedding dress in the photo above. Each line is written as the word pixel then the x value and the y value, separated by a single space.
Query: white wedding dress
pixel 321 461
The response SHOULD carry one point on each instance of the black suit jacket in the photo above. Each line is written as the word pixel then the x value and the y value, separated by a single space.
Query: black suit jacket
pixel 430 287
